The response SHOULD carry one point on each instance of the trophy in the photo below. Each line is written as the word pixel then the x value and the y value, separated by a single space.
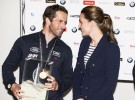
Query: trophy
pixel 35 76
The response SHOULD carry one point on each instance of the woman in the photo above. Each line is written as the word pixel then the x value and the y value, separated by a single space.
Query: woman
pixel 96 72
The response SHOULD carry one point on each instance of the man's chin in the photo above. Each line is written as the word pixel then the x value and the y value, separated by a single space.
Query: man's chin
pixel 58 36
pixel 85 36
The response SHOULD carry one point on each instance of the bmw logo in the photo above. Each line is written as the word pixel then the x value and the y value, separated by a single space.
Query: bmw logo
pixel 116 31
pixel 132 4
pixel 62 2
pixel 130 59
pixel 74 29
pixel 32 28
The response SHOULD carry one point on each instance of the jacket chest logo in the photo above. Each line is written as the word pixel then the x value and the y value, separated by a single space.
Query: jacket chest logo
pixel 34 49
pixel 56 54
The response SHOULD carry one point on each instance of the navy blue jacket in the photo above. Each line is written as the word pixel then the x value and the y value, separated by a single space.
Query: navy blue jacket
pixel 28 47
pixel 98 80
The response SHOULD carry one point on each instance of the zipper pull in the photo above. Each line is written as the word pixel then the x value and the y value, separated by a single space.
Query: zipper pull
pixel 46 45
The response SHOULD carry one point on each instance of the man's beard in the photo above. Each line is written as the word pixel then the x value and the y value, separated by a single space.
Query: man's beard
pixel 56 34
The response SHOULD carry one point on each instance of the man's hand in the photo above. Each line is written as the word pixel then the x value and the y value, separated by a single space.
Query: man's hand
pixel 16 89
pixel 51 84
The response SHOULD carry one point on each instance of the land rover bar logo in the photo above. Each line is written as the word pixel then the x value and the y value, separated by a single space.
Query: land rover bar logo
pixel 50 1
pixel 119 3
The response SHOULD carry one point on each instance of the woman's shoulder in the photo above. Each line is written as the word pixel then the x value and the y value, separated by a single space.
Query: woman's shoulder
pixel 113 48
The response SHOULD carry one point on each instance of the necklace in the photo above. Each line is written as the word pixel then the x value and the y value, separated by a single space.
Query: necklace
pixel 44 72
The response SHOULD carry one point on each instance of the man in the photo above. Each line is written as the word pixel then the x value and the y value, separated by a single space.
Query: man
pixel 54 24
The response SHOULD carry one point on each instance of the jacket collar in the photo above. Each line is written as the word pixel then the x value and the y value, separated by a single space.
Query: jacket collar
pixel 100 49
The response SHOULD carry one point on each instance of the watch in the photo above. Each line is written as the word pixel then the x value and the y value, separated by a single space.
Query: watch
pixel 10 85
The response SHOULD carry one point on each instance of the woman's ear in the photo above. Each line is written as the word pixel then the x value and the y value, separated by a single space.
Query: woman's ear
pixel 92 22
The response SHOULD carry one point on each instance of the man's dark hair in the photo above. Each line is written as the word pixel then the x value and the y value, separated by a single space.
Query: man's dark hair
pixel 50 12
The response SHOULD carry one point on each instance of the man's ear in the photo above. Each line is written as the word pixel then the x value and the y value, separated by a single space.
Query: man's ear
pixel 47 21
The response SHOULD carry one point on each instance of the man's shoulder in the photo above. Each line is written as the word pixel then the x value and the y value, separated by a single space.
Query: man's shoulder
pixel 29 38
pixel 63 44
pixel 31 35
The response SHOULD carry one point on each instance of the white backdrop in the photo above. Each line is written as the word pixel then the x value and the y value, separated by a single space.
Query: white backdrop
pixel 10 31
pixel 122 14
